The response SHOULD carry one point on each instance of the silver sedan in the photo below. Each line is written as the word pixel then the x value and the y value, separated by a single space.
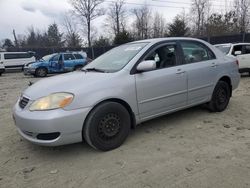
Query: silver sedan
pixel 127 85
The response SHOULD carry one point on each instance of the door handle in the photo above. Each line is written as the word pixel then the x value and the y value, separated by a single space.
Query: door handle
pixel 214 65
pixel 179 71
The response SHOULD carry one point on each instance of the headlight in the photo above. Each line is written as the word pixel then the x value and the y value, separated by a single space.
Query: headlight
pixel 53 101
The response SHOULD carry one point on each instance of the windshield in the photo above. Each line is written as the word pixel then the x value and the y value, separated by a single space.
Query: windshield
pixel 115 59
pixel 47 57
pixel 224 48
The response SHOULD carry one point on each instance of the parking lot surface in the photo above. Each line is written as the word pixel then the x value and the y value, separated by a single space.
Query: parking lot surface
pixel 192 148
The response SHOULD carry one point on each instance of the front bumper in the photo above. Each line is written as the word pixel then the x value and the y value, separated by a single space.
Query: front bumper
pixel 29 71
pixel 67 123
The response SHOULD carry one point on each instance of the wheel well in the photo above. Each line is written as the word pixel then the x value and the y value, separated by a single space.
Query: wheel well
pixel 42 68
pixel 227 80
pixel 123 103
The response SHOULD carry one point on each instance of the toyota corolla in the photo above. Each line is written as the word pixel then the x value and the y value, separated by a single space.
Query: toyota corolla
pixel 127 85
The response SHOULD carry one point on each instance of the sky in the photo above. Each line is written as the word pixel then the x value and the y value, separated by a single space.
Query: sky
pixel 22 14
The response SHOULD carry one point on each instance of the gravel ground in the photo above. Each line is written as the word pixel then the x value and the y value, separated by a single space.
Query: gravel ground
pixel 192 148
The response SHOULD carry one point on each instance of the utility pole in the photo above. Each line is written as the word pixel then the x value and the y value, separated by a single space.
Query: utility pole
pixel 16 42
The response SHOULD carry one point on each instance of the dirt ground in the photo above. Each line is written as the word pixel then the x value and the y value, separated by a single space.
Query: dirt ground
pixel 192 149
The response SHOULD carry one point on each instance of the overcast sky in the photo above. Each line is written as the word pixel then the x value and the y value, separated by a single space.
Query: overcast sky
pixel 21 14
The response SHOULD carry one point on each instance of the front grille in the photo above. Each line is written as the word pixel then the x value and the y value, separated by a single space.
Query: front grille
pixel 23 102
pixel 48 136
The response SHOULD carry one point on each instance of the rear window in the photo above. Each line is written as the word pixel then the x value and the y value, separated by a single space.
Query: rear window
pixel 78 56
pixel 17 55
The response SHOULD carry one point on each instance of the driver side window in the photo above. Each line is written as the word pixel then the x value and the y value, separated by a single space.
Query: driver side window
pixel 164 56
pixel 55 58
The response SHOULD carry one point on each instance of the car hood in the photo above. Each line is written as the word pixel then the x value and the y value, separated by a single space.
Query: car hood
pixel 27 64
pixel 75 82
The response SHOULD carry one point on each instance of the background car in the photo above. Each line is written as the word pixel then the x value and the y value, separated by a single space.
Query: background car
pixel 55 63
pixel 239 50
pixel 16 60
pixel 130 84
pixel 2 69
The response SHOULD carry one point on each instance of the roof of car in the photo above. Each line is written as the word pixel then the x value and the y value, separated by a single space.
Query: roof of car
pixel 155 40
pixel 240 43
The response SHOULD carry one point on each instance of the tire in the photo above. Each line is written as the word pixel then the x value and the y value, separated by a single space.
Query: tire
pixel 41 72
pixel 107 126
pixel 220 98
pixel 78 67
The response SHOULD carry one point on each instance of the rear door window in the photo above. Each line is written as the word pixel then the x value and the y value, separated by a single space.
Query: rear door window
pixel 78 56
pixel 68 57
pixel 196 52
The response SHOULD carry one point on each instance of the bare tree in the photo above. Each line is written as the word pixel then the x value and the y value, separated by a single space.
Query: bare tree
pixel 72 37
pixel 87 11
pixel 116 16
pixel 200 13
pixel 242 13
pixel 142 22
pixel 159 25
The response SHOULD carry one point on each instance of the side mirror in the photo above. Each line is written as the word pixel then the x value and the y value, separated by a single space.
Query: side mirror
pixel 147 65
pixel 237 53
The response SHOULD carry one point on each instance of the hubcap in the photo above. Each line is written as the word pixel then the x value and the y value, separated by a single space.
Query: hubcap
pixel 41 72
pixel 222 96
pixel 109 126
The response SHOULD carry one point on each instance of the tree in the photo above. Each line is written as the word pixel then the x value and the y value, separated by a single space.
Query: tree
pixel 101 42
pixel 219 24
pixel 200 13
pixel 31 40
pixel 242 12
pixel 178 28
pixel 116 16
pixel 122 37
pixel 7 43
pixel 142 22
pixel 72 38
pixel 87 10
pixel 54 36
pixel 159 26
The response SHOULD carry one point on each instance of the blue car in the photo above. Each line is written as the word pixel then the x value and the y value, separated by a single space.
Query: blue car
pixel 55 63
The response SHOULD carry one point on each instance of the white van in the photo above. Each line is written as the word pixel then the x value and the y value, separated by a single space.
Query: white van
pixel 16 60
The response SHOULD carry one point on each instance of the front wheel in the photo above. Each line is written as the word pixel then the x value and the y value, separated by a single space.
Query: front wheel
pixel 41 72
pixel 220 98
pixel 107 126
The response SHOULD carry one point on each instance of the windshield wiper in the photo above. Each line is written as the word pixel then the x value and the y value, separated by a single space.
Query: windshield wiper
pixel 94 70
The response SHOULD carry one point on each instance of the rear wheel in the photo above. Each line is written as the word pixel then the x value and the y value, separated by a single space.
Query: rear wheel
pixel 221 97
pixel 78 67
pixel 41 72
pixel 107 126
